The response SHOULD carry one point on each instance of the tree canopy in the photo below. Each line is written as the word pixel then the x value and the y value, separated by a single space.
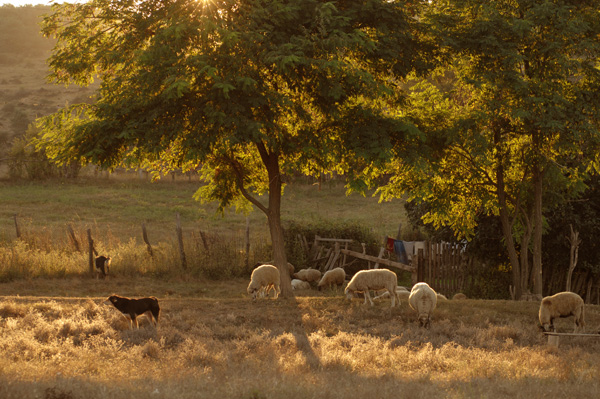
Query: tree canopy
pixel 519 122
pixel 243 91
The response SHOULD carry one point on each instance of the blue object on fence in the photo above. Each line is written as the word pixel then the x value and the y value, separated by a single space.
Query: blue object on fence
pixel 400 251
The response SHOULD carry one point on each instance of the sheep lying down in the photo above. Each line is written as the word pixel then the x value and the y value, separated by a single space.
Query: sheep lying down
pixel 563 304
pixel 300 285
pixel 373 280
pixel 309 275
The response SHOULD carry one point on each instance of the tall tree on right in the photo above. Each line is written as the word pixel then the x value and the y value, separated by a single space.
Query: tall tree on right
pixel 520 119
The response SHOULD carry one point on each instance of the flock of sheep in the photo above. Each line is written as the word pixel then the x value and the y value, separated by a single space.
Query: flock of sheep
pixel 422 298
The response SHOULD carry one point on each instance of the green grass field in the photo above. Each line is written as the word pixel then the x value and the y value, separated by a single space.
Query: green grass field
pixel 119 205
pixel 114 209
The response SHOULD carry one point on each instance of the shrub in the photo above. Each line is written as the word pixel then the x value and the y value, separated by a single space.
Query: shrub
pixel 29 161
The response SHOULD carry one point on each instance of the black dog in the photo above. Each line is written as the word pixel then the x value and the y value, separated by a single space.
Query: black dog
pixel 135 307
pixel 102 265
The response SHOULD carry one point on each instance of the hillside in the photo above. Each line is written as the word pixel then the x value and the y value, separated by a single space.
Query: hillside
pixel 25 93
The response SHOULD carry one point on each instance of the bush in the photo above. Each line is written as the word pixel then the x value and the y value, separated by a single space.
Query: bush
pixel 28 161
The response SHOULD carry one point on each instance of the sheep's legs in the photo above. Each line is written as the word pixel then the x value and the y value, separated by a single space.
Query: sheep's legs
pixel 368 297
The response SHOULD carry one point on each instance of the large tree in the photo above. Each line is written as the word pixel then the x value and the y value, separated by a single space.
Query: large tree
pixel 244 90
pixel 519 122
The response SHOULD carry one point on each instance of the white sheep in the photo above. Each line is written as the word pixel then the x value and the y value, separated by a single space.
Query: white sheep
pixel 459 296
pixel 300 285
pixel 263 279
pixel 310 275
pixel 563 304
pixel 423 299
pixel 441 297
pixel 335 277
pixel 401 293
pixel 374 279
pixel 291 267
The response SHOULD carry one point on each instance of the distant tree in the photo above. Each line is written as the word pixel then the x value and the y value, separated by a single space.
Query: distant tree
pixel 247 91
pixel 520 122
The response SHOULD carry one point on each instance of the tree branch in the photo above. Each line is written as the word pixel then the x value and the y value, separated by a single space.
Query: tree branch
pixel 239 173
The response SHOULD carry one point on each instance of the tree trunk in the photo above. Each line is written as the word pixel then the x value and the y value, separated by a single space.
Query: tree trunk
pixel 273 212
pixel 517 289
pixel 574 255
pixel 538 229
pixel 525 240
pixel 274 218
pixel 270 160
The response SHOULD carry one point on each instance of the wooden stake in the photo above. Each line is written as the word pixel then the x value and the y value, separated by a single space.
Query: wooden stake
pixel 73 238
pixel 17 226
pixel 145 237
pixel 180 241
pixel 92 251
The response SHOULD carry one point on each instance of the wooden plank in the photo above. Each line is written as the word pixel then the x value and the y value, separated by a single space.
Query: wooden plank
pixel 386 262
pixel 553 340
pixel 554 337
pixel 348 240
pixel 380 256
pixel 572 334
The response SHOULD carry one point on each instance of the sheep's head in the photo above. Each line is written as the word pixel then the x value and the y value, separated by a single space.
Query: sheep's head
pixel 253 290
pixel 349 293
pixel 424 321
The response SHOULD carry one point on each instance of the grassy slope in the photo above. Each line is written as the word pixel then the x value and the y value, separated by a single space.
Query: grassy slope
pixel 121 205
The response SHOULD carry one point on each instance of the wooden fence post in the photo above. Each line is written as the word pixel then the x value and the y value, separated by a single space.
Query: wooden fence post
pixel 73 238
pixel 180 240
pixel 145 237
pixel 205 242
pixel 92 251
pixel 17 226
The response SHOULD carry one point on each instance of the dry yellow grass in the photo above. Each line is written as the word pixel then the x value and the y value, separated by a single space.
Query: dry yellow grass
pixel 214 342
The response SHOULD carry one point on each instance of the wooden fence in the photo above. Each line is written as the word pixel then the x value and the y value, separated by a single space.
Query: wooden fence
pixel 443 266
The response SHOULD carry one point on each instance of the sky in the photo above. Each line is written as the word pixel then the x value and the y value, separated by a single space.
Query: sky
pixel 18 3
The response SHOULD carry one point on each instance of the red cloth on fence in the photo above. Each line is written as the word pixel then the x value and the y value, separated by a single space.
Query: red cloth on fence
pixel 389 245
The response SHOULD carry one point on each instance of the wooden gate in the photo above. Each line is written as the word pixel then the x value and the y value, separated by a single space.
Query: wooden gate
pixel 443 266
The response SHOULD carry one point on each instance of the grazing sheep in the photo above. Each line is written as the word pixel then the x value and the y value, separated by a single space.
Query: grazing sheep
pixel 441 297
pixel 423 300
pixel 459 296
pixel 563 304
pixel 335 277
pixel 300 285
pixel 374 279
pixel 263 279
pixel 401 293
pixel 290 266
pixel 310 275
